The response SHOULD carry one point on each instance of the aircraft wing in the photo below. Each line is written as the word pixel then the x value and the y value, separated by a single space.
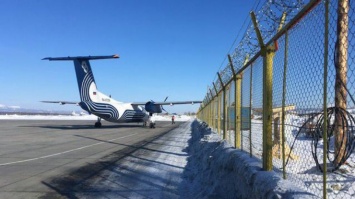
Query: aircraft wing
pixel 61 102
pixel 168 103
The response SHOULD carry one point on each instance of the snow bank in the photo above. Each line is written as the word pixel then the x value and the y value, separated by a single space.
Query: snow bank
pixel 216 170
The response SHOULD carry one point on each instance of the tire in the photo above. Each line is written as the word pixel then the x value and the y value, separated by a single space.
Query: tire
pixel 97 124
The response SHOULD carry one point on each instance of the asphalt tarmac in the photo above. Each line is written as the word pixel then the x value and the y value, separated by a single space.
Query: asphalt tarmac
pixel 37 157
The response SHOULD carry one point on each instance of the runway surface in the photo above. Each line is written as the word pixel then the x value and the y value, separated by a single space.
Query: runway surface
pixel 37 156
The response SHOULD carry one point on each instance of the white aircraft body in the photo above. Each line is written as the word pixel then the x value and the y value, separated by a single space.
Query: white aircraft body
pixel 103 106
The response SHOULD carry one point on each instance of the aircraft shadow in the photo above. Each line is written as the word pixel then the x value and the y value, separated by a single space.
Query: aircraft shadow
pixel 135 147
pixel 105 125
pixel 71 127
pixel 79 181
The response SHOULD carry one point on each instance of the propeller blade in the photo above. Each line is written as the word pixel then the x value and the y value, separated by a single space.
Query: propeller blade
pixel 162 105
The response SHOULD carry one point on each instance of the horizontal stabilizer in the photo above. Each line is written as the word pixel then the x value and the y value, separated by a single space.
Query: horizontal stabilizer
pixel 61 102
pixel 80 58
pixel 168 103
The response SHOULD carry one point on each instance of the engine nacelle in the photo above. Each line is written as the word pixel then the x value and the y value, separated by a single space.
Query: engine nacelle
pixel 151 107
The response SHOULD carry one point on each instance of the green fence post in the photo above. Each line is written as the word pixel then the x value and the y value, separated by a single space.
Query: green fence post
pixel 283 107
pixel 212 122
pixel 225 114
pixel 208 113
pixel 201 111
pixel 217 104
pixel 250 109
pixel 268 53
pixel 325 86
pixel 238 105
pixel 204 112
pixel 240 97
pixel 211 112
pixel 267 108
pixel 224 106
pixel 237 94
pixel 206 109
pixel 219 115
pixel 215 112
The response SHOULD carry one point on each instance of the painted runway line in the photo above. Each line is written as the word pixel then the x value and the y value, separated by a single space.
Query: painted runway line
pixel 80 148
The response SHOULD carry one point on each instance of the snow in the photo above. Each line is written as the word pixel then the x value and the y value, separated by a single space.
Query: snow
pixel 180 118
pixel 340 184
pixel 190 161
pixel 216 170
pixel 193 162
pixel 303 171
pixel 153 171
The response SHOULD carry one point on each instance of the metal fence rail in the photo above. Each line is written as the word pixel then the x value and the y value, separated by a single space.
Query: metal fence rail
pixel 286 95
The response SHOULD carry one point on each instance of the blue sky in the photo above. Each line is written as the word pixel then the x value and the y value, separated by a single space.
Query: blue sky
pixel 167 48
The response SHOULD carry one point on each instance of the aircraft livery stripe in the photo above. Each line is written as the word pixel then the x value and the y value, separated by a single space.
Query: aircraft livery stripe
pixel 103 110
pixel 133 115
pixel 107 110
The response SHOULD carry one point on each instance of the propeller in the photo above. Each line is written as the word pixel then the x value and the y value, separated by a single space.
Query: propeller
pixel 162 105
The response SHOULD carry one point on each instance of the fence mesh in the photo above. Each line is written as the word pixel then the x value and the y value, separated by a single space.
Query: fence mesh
pixel 297 95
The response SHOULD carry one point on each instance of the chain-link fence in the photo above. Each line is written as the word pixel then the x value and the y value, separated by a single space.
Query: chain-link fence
pixel 290 101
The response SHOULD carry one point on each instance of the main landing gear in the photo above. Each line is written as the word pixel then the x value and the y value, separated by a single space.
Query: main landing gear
pixel 98 123
pixel 151 123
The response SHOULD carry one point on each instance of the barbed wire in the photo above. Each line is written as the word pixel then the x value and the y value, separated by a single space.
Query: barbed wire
pixel 254 7
pixel 269 17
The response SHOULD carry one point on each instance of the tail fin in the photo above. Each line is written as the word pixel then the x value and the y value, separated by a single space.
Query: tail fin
pixel 86 82
pixel 91 99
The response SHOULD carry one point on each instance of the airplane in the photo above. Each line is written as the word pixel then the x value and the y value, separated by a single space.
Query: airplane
pixel 103 106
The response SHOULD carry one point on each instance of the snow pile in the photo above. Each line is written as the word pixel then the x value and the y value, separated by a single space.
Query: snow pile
pixel 216 170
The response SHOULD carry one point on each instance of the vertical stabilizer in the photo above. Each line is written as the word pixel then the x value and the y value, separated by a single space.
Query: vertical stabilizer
pixel 91 99
pixel 86 80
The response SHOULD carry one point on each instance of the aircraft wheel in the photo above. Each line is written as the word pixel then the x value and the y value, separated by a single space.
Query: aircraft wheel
pixel 152 125
pixel 98 124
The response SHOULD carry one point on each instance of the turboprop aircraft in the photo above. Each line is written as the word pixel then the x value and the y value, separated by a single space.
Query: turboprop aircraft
pixel 103 106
